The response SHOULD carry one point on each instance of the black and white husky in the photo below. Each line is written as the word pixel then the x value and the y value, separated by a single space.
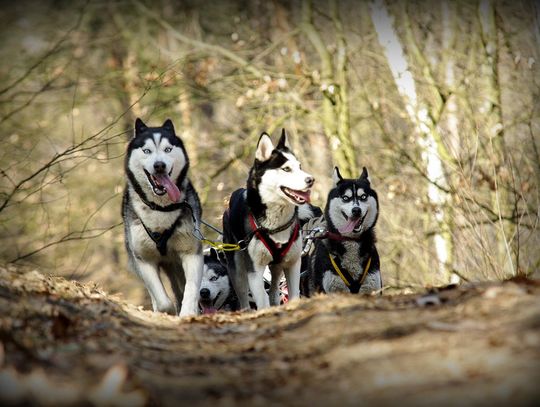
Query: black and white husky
pixel 160 210
pixel 345 258
pixel 216 293
pixel 264 217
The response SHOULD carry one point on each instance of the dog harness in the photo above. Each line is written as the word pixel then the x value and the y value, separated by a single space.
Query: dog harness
pixel 161 238
pixel 352 284
pixel 277 251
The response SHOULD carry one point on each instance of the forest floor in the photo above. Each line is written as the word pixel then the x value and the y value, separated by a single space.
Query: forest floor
pixel 62 342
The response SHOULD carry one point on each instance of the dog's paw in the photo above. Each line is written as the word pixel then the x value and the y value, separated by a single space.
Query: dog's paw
pixel 167 308
pixel 188 312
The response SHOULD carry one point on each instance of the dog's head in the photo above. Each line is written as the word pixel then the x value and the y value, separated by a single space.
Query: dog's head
pixel 277 173
pixel 157 161
pixel 215 284
pixel 352 206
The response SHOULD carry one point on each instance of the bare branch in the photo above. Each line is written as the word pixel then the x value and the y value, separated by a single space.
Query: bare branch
pixel 52 51
pixel 71 236
pixel 214 49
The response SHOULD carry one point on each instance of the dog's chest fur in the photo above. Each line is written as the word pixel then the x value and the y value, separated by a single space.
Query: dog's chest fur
pixel 350 259
pixel 277 217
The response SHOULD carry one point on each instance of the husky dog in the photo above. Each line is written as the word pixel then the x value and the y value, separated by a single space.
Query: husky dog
pixel 216 293
pixel 160 209
pixel 345 259
pixel 264 219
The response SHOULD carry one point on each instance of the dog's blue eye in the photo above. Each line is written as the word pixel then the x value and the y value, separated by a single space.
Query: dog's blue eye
pixel 146 151
pixel 363 197
pixel 213 278
pixel 168 149
pixel 286 169
pixel 345 198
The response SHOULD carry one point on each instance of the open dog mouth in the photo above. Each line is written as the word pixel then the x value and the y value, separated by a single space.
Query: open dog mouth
pixel 162 184
pixel 353 224
pixel 298 197
pixel 208 306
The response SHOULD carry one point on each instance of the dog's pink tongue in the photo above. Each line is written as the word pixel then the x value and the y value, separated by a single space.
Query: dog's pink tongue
pixel 304 194
pixel 349 226
pixel 209 310
pixel 170 187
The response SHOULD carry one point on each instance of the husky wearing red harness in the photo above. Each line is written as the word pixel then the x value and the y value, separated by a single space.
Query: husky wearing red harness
pixel 264 219
pixel 345 258
pixel 160 210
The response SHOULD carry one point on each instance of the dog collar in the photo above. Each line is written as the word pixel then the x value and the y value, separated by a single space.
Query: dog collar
pixel 167 208
pixel 337 236
pixel 279 228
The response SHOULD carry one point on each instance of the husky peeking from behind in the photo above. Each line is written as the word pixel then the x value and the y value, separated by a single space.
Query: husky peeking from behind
pixel 265 218
pixel 160 209
pixel 345 258
pixel 216 293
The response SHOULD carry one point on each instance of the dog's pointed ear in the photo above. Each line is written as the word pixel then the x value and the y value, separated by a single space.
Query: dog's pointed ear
pixel 168 125
pixel 365 175
pixel 283 141
pixel 139 126
pixel 264 148
pixel 336 176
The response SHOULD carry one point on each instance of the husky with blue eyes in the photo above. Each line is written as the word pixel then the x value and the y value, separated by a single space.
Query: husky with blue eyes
pixel 216 292
pixel 160 210
pixel 345 258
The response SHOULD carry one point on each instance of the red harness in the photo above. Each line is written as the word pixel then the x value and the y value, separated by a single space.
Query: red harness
pixel 278 252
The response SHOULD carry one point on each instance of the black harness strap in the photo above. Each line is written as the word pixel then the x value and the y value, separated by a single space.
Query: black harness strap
pixel 161 239
pixel 281 228
pixel 168 208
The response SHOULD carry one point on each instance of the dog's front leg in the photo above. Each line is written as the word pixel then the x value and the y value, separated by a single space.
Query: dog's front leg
pixel 256 285
pixel 292 275
pixel 150 277
pixel 274 293
pixel 238 275
pixel 193 270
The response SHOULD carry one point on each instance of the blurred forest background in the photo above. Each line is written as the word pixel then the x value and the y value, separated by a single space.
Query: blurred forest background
pixel 439 99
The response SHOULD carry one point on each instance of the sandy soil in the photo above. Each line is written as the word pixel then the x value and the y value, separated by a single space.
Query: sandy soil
pixel 64 343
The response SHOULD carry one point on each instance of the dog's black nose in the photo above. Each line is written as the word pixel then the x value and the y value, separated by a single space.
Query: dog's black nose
pixel 160 167
pixel 309 181
pixel 205 293
pixel 356 212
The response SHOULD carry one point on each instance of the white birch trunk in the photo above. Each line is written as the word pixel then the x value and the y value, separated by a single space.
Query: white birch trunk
pixel 419 116
pixel 448 39
pixel 449 43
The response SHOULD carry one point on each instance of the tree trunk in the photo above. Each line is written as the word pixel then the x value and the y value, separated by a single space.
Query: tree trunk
pixel 335 117
pixel 429 136
pixel 501 199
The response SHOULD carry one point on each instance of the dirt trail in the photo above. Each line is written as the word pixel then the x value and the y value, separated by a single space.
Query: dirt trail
pixel 62 342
